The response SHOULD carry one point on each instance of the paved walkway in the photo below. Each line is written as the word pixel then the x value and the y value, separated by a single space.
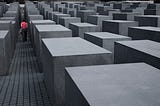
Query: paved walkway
pixel 24 86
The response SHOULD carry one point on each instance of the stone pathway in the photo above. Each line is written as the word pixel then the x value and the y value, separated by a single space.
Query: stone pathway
pixel 24 86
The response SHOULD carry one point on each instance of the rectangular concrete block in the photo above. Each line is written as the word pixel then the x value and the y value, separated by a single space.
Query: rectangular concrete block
pixel 148 20
pixel 121 84
pixel 72 12
pixel 51 15
pixel 78 29
pixel 59 53
pixel 57 16
pixel 84 13
pixel 105 39
pixel 35 17
pixel 118 26
pixel 151 12
pixel 138 51
pixel 5 49
pixel 39 22
pixel 49 31
pixel 125 16
pixel 97 20
pixel 4 24
pixel 65 21
pixel 145 32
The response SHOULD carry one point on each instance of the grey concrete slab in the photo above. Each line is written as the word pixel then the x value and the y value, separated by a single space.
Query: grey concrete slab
pixel 78 29
pixel 148 20
pixel 66 20
pixel 35 17
pixel 57 16
pixel 38 22
pixel 8 18
pixel 97 20
pixel 151 12
pixel 72 12
pixel 118 26
pixel 5 49
pixel 105 39
pixel 138 51
pixel 48 31
pixel 135 84
pixel 4 24
pixel 125 16
pixel 10 14
pixel 84 13
pixel 51 14
pixel 59 53
pixel 145 32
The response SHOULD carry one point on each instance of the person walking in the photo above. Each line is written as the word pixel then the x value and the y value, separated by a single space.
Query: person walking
pixel 24 27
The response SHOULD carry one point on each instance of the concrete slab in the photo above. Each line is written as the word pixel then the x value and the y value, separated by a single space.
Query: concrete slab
pixel 148 20
pixel 84 13
pixel 5 49
pixel 78 29
pixel 65 21
pixel 118 26
pixel 125 16
pixel 49 31
pixel 138 51
pixel 145 32
pixel 57 16
pixel 97 20
pixel 121 85
pixel 105 39
pixel 59 53
pixel 38 22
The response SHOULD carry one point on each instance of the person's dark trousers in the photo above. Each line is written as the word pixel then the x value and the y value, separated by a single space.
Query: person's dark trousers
pixel 24 35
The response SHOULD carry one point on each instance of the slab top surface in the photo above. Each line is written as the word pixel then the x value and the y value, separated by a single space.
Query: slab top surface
pixel 42 21
pixel 72 46
pixel 99 16
pixel 135 84
pixel 4 21
pixel 145 46
pixel 44 28
pixel 149 28
pixel 70 18
pixel 106 35
pixel 83 24
pixel 120 21
pixel 152 16
pixel 3 33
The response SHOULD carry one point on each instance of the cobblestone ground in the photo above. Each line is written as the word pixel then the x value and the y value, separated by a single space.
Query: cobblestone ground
pixel 24 86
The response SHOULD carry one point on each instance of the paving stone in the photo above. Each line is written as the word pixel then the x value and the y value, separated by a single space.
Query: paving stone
pixel 137 51
pixel 118 26
pixel 78 29
pixel 59 53
pixel 120 84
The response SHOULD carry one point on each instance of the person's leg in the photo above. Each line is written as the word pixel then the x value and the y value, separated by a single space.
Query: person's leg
pixel 25 35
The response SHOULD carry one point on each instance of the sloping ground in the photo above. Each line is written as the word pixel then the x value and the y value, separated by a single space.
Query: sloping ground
pixel 24 86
